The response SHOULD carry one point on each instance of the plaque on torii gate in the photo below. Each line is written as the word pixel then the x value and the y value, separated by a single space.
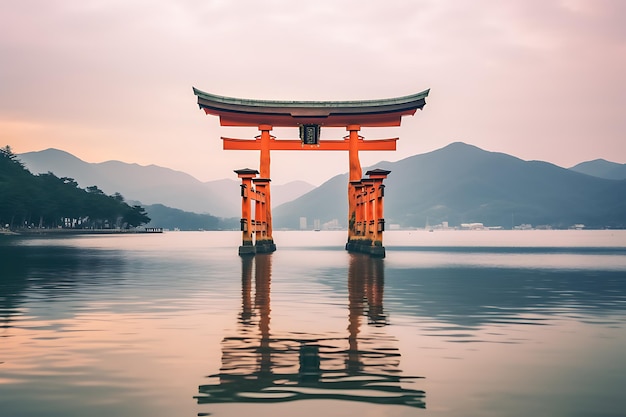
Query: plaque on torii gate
pixel 365 195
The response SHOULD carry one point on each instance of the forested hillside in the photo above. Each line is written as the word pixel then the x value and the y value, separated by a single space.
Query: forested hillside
pixel 47 201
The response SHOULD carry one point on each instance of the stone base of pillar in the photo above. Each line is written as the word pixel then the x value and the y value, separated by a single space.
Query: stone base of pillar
pixel 377 251
pixel 265 246
pixel 373 249
pixel 246 250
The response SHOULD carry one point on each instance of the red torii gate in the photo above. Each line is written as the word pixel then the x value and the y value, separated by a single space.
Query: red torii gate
pixel 365 196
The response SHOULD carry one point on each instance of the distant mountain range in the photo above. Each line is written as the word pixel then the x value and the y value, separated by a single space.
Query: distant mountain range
pixel 464 184
pixel 153 184
pixel 459 183
pixel 602 168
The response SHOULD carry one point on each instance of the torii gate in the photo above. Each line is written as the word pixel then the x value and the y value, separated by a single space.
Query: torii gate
pixel 365 196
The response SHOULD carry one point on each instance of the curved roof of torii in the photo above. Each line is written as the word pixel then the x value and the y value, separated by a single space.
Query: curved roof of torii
pixel 367 113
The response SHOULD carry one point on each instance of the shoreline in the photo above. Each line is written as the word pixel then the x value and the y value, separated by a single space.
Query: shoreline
pixel 38 232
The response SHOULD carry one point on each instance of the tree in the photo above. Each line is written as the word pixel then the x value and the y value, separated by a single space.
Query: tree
pixel 136 216
pixel 7 152
pixel 46 200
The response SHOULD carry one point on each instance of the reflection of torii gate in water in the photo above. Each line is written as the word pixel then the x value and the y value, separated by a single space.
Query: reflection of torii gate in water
pixel 263 366
pixel 365 195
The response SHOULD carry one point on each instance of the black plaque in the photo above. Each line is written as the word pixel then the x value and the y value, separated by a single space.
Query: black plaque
pixel 310 134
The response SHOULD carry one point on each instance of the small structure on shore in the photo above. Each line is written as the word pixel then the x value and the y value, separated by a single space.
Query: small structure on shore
pixel 365 195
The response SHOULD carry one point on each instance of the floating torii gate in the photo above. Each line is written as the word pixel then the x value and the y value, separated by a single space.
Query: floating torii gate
pixel 365 195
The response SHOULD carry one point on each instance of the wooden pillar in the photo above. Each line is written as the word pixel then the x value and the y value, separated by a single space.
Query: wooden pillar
pixel 377 188
pixel 369 211
pixel 247 195
pixel 360 209
pixel 355 175
pixel 380 210
pixel 259 208
pixel 264 166
pixel 266 243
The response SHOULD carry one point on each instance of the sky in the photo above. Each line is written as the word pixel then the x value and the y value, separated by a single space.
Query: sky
pixel 112 79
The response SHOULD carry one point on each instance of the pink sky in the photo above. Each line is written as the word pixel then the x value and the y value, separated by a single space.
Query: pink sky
pixel 538 79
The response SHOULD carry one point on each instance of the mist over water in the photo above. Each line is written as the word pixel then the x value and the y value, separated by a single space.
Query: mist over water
pixel 481 323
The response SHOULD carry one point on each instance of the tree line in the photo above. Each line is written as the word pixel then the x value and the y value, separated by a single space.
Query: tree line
pixel 47 201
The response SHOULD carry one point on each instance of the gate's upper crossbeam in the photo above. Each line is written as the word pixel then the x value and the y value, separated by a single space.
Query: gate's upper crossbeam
pixel 367 113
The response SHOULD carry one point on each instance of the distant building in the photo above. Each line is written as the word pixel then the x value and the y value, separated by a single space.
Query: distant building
pixel 316 224
pixel 472 226
pixel 303 223
pixel 544 227
pixel 332 225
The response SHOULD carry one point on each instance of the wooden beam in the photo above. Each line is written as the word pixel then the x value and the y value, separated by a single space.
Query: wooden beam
pixel 297 145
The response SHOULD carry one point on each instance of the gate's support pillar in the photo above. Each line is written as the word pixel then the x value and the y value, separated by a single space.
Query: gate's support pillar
pixel 359 228
pixel 370 213
pixel 247 192
pixel 263 214
pixel 376 201
pixel 265 242
pixel 355 174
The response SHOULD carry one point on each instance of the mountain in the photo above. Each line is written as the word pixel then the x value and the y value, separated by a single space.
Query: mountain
pixel 461 183
pixel 153 184
pixel 287 192
pixel 602 168
pixel 171 218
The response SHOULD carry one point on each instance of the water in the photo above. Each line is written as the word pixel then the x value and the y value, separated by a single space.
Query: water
pixel 480 323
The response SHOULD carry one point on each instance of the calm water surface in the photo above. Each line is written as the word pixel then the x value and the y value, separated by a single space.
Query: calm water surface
pixel 451 323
